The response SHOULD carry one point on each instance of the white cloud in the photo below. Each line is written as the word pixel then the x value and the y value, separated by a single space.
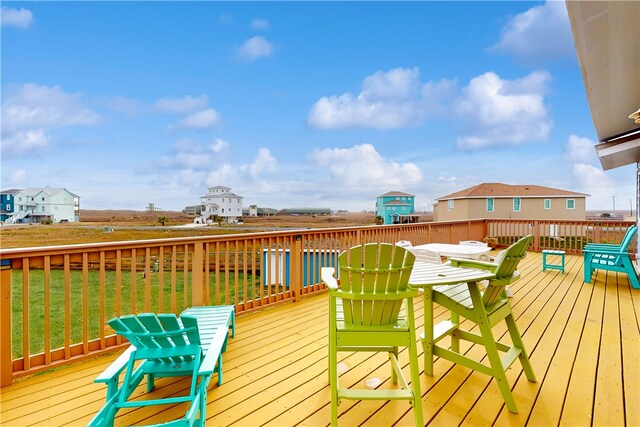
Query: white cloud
pixel 259 24
pixel 186 104
pixel 30 112
pixel 495 111
pixel 595 182
pixel 580 149
pixel 200 120
pixel 254 48
pixel 19 18
pixel 540 34
pixel 193 156
pixel 226 19
pixel 387 100
pixel 263 161
pixel 361 166
pixel 219 145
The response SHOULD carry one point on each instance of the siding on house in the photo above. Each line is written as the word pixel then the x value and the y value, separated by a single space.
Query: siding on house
pixel 55 204
pixel 395 207
pixel 534 201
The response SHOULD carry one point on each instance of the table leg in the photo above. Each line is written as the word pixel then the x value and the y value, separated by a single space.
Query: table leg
pixel 427 335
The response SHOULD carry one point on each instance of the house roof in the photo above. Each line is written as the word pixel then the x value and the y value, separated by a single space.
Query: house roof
pixel 495 189
pixel 607 39
pixel 219 195
pixel 396 193
pixel 11 191
pixel 51 191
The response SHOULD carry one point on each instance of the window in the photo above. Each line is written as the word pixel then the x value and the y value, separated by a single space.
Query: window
pixel 43 209
pixel 450 204
pixel 516 204
pixel 43 199
pixel 571 204
pixel 490 204
pixel 8 207
pixel 547 204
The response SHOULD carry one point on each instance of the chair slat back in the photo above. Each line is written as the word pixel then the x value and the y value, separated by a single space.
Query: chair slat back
pixel 628 237
pixel 505 270
pixel 380 270
pixel 148 331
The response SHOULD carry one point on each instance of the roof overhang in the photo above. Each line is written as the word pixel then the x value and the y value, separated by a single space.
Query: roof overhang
pixel 607 40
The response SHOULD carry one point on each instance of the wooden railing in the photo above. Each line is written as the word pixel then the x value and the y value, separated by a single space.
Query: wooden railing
pixel 55 301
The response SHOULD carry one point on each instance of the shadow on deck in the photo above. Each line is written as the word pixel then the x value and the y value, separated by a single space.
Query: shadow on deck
pixel 583 339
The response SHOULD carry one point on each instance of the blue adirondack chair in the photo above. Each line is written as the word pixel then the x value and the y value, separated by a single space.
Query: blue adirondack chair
pixel 611 258
pixel 162 346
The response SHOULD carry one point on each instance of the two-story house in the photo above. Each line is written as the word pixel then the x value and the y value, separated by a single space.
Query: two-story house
pixel 221 202
pixel 7 203
pixel 496 200
pixel 38 204
pixel 396 207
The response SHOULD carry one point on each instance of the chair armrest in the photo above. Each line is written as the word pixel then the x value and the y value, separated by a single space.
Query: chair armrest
pixel 605 251
pixel 473 263
pixel 326 274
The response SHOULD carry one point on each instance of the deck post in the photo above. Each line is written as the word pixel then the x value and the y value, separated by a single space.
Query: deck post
pixel 6 363
pixel 295 275
pixel 197 277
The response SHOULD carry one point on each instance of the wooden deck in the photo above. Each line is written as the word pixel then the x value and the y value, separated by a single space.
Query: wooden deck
pixel 583 339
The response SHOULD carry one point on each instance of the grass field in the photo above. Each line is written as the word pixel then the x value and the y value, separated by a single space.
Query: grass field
pixel 131 225
pixel 129 293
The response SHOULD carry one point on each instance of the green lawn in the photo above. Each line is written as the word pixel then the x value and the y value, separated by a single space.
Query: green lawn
pixel 57 301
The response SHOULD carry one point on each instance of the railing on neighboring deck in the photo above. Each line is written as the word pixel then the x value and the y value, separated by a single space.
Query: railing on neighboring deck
pixel 55 301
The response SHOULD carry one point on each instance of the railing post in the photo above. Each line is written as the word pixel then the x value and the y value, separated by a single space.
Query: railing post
pixel 6 363
pixel 295 262
pixel 197 277
pixel 536 236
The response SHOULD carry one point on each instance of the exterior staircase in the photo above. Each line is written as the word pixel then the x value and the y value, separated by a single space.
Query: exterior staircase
pixel 17 217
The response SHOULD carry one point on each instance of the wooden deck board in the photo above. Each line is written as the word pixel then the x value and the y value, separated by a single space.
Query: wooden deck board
pixel 583 341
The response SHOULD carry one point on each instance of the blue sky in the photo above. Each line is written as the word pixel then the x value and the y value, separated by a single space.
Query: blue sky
pixel 291 104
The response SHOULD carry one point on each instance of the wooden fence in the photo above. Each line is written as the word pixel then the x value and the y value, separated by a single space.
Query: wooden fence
pixel 55 301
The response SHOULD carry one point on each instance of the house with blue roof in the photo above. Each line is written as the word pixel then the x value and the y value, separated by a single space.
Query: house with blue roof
pixel 396 207
pixel 7 203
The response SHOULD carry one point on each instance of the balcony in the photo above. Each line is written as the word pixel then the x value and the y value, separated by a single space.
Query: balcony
pixel 583 340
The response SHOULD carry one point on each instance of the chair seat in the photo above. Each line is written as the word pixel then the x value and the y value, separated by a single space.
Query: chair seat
pixel 486 309
pixel 371 310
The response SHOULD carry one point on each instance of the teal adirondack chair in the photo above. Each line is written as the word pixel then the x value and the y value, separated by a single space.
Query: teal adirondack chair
pixel 485 309
pixel 626 241
pixel 611 257
pixel 364 315
pixel 165 346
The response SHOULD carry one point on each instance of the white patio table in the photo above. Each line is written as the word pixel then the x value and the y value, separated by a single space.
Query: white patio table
pixel 456 251
pixel 426 275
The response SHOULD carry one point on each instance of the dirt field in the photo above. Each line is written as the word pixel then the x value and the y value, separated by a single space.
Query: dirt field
pixel 134 225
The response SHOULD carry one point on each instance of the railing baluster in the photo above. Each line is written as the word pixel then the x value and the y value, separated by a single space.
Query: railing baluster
pixel 47 310
pixel 26 353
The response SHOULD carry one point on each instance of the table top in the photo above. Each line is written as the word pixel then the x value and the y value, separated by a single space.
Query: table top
pixel 429 274
pixel 451 250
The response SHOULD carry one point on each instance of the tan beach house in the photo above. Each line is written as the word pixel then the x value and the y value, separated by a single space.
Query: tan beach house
pixel 504 201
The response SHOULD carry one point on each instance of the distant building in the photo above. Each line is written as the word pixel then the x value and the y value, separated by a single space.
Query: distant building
pixel 496 200
pixel 254 210
pixel 7 203
pixel 193 209
pixel 222 203
pixel 305 211
pixel 39 204
pixel 396 207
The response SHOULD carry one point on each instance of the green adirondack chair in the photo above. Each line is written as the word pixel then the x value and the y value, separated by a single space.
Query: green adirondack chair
pixel 165 346
pixel 485 309
pixel 364 315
